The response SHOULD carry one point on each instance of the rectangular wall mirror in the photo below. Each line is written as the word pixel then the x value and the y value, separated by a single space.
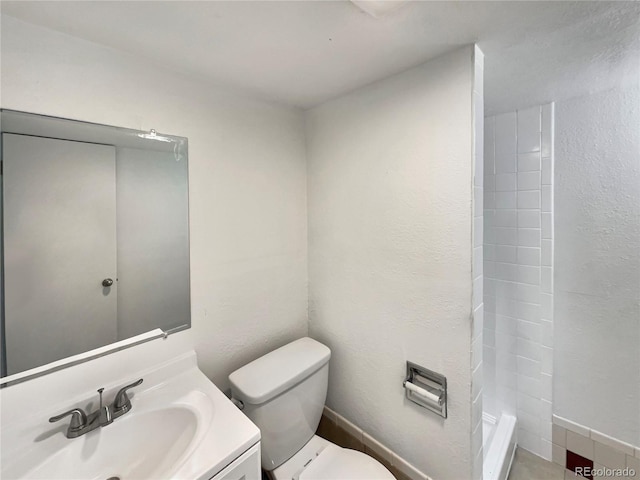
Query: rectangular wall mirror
pixel 95 237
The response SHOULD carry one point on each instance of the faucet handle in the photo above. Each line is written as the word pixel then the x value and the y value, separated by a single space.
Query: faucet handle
pixel 122 401
pixel 78 419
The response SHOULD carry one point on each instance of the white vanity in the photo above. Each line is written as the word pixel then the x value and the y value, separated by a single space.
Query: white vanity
pixel 180 426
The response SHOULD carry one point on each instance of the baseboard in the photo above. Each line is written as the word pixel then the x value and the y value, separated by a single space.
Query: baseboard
pixel 337 429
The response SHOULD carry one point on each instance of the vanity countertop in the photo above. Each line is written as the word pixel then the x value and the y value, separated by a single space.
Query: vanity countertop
pixel 180 426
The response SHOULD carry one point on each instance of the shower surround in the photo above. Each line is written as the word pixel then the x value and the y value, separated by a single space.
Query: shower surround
pixel 518 274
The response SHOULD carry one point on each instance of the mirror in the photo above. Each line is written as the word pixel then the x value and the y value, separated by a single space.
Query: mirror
pixel 95 237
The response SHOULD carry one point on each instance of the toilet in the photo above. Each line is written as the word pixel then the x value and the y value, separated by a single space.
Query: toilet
pixel 283 393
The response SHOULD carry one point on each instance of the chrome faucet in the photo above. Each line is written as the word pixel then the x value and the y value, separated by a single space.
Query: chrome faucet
pixel 82 423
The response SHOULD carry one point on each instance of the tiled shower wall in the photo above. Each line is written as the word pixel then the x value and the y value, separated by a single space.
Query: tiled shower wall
pixel 477 275
pixel 518 272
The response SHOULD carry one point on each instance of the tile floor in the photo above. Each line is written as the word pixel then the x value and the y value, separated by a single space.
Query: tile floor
pixel 527 466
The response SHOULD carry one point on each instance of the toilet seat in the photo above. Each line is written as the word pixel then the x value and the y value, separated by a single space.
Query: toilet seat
pixel 319 459
pixel 336 463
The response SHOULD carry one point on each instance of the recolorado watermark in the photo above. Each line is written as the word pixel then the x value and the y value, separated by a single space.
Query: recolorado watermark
pixel 590 472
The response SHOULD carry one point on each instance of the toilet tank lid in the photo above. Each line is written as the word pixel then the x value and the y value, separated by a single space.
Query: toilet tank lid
pixel 279 370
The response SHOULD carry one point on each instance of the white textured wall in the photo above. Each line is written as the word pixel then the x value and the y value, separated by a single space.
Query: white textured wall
pixel 597 272
pixel 247 181
pixel 390 187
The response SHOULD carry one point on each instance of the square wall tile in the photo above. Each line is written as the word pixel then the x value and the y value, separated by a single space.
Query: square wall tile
pixel 528 404
pixel 547 253
pixel 505 163
pixel 529 199
pixel 546 306
pixel 477 378
pixel 547 198
pixel 546 365
pixel 528 422
pixel 529 441
pixel 506 306
pixel 547 172
pixel 505 142
pixel 547 122
pixel 505 218
pixel 529 237
pixel 528 274
pixel 529 162
pixel 506 340
pixel 506 236
pixel 505 253
pixel 478 231
pixel 529 219
pixel 477 261
pixel 528 386
pixel 547 333
pixel 487 218
pixel 611 442
pixel 478 174
pixel 546 414
pixel 529 312
pixel 489 147
pixel 529 331
pixel 507 272
pixel 531 350
pixel 478 285
pixel 559 435
pixel 506 200
pixel 608 456
pixel 506 289
pixel 546 386
pixel 545 449
pixel 478 201
pixel 489 286
pixel 546 283
pixel 489 304
pixel 547 225
pixel 489 252
pixel 528 368
pixel 476 438
pixel 529 181
pixel 506 182
pixel 489 200
pixel 489 183
pixel 581 445
pixel 559 454
pixel 529 130
pixel 529 256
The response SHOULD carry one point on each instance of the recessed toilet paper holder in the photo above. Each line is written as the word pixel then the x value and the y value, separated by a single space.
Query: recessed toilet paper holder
pixel 426 388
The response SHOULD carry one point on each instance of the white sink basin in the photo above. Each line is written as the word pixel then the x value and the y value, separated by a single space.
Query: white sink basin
pixel 121 451
pixel 180 426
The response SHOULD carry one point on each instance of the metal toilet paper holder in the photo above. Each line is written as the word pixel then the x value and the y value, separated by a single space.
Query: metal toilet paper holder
pixel 426 388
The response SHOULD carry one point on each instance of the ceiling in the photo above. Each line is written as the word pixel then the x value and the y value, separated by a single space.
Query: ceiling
pixel 304 53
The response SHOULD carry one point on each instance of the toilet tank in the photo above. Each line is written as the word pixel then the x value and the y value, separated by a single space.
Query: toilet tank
pixel 283 393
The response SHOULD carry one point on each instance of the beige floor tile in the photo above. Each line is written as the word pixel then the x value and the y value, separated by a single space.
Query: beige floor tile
pixel 527 466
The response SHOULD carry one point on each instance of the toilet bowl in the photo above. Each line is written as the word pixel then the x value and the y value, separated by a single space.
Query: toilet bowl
pixel 283 393
pixel 320 459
